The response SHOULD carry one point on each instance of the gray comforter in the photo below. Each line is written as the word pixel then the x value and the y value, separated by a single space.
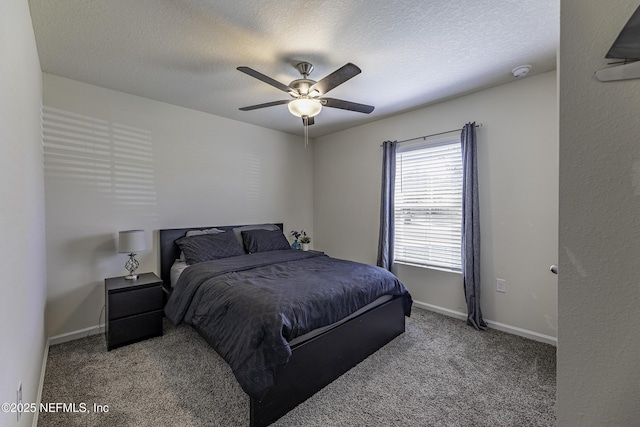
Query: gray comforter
pixel 249 307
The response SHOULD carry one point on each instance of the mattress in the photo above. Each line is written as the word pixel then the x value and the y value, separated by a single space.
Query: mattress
pixel 176 270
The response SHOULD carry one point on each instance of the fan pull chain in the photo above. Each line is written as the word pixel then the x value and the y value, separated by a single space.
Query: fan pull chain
pixel 305 120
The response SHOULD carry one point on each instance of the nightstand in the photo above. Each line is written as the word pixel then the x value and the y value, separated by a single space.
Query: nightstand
pixel 133 309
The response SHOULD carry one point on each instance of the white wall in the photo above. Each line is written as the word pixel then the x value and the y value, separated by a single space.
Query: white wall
pixel 599 244
pixel 518 179
pixel 185 168
pixel 22 255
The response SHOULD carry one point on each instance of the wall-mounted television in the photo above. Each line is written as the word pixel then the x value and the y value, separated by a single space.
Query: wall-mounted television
pixel 627 45
pixel 626 48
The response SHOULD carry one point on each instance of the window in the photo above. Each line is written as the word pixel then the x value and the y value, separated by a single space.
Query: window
pixel 428 204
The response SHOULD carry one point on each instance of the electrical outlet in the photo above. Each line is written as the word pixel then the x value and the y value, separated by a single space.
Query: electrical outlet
pixel 19 401
pixel 501 285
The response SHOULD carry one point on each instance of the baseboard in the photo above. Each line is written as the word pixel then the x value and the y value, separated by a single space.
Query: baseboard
pixel 82 333
pixel 43 369
pixel 548 339
pixel 441 310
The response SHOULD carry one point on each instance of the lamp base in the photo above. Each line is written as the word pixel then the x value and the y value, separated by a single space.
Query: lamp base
pixel 131 266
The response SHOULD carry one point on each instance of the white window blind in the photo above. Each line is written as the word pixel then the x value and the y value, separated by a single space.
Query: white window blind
pixel 428 204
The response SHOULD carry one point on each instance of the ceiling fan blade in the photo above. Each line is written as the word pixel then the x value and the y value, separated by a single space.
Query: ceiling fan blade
pixel 309 121
pixel 267 104
pixel 336 78
pixel 268 80
pixel 347 105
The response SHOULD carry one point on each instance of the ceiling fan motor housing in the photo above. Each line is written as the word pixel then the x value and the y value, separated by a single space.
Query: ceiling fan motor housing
pixel 302 85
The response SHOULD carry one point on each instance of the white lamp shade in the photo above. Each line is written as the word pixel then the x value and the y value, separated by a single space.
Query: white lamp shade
pixel 131 241
pixel 305 107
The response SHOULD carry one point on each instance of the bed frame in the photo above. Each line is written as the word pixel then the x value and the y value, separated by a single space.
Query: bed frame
pixel 314 363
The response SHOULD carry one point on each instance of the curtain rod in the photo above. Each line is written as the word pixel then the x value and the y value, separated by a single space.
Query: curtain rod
pixel 479 125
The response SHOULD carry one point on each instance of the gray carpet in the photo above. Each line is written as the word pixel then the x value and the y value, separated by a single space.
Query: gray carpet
pixel 440 372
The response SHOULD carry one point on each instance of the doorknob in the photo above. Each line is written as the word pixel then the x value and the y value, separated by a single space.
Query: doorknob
pixel 554 269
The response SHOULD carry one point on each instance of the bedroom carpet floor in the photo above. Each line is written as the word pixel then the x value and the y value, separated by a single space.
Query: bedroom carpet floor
pixel 440 372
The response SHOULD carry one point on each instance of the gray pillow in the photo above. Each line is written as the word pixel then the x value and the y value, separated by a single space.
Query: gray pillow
pixel 206 231
pixel 264 240
pixel 207 247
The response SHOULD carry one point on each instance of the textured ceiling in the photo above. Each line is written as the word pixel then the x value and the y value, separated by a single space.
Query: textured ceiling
pixel 185 52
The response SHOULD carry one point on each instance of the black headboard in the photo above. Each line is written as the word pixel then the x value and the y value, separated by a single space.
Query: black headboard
pixel 169 251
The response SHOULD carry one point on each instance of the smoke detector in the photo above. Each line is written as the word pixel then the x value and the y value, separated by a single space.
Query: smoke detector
pixel 521 71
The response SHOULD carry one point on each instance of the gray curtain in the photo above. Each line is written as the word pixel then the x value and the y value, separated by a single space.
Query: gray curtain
pixel 387 218
pixel 471 227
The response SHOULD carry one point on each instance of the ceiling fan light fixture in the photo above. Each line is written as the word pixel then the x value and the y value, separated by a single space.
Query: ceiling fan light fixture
pixel 305 106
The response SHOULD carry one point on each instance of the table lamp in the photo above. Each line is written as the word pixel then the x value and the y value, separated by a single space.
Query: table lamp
pixel 130 242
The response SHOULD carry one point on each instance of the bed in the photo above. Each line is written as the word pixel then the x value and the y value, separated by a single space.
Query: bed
pixel 307 360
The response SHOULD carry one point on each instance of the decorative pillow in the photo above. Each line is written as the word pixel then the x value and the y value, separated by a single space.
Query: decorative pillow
pixel 264 240
pixel 206 247
pixel 238 230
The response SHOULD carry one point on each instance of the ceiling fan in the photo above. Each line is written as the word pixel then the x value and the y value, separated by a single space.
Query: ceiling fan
pixel 307 95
